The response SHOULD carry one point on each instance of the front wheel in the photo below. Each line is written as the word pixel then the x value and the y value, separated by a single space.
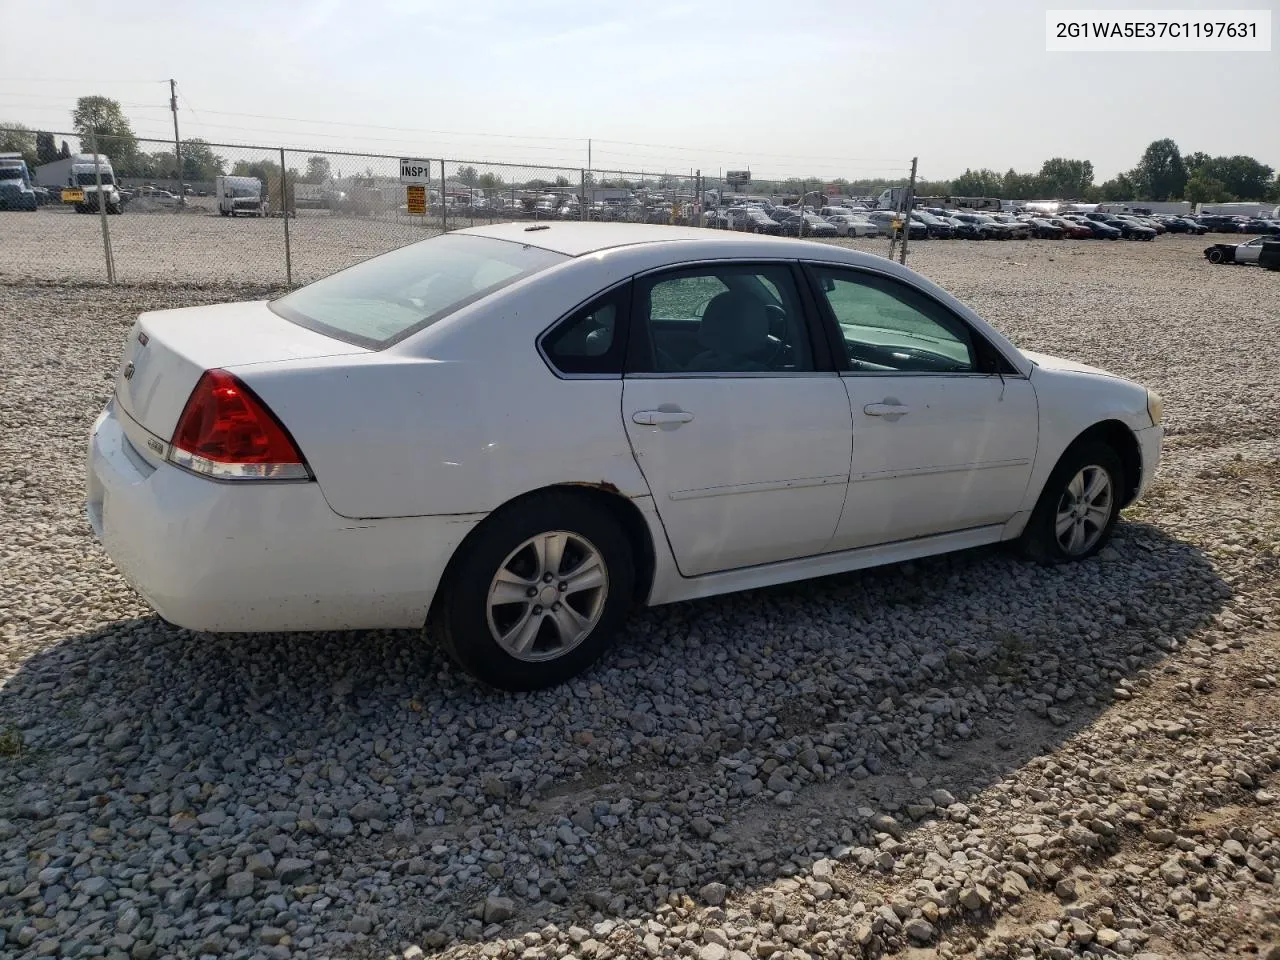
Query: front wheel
pixel 537 593
pixel 1078 508
pixel 1216 256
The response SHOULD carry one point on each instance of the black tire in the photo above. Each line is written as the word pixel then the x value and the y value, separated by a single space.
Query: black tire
pixel 1216 256
pixel 461 619
pixel 1039 541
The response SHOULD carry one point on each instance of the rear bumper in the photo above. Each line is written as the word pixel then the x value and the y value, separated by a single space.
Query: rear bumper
pixel 257 556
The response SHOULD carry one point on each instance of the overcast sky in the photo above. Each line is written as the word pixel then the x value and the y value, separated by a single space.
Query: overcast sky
pixel 824 87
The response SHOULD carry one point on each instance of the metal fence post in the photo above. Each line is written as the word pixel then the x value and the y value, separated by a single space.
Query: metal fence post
pixel 102 211
pixel 284 207
pixel 444 200
pixel 582 200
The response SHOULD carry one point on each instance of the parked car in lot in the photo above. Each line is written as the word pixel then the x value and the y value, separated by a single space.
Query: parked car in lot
pixel 1261 225
pixel 964 230
pixel 885 219
pixel 849 225
pixel 989 228
pixel 1131 229
pixel 268 466
pixel 1221 223
pixel 1184 225
pixel 808 225
pixel 1018 229
pixel 753 220
pixel 1101 231
pixel 1248 252
pixel 936 227
pixel 1043 229
pixel 1071 229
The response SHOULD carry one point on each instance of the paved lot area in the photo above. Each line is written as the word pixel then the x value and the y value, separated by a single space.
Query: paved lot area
pixel 969 756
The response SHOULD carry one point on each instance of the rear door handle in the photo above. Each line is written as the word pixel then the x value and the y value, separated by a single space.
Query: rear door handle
pixel 886 409
pixel 656 417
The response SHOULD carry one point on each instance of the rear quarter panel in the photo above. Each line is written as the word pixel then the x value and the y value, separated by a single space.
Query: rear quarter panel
pixel 458 421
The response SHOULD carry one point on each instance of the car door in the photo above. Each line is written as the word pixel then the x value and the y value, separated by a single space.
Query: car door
pixel 944 429
pixel 1249 252
pixel 736 417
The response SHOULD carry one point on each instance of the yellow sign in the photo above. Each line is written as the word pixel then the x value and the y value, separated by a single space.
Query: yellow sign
pixel 72 196
pixel 417 198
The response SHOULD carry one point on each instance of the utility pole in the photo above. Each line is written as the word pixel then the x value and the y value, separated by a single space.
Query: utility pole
pixel 908 202
pixel 177 143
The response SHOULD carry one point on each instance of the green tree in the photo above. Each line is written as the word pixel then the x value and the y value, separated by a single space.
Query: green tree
pixel 1160 174
pixel 199 162
pixel 1066 179
pixel 978 183
pixel 1194 161
pixel 1242 176
pixel 467 175
pixel 1202 188
pixel 103 116
pixel 46 148
pixel 1020 186
pixel 562 181
pixel 318 170
pixel 490 181
pixel 1121 187
pixel 17 138
pixel 64 151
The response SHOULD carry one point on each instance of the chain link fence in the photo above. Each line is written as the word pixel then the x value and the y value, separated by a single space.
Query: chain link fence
pixel 272 216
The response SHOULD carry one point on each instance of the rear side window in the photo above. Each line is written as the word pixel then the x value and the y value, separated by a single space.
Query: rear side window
pixel 592 339
pixel 381 301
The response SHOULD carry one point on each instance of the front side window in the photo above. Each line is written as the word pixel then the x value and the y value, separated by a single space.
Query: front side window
pixel 383 300
pixel 887 327
pixel 720 319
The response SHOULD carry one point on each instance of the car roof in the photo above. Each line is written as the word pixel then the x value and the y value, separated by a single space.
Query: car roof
pixel 576 239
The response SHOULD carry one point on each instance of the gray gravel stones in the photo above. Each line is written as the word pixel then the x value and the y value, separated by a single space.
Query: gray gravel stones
pixel 849 767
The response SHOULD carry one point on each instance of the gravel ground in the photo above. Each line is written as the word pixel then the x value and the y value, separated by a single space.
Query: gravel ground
pixel 56 245
pixel 968 756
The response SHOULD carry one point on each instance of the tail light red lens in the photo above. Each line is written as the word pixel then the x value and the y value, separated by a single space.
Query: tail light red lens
pixel 227 433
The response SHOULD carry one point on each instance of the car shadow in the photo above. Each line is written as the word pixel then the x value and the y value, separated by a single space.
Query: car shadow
pixel 735 739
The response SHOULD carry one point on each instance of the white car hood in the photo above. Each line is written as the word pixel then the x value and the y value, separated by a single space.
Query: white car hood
pixel 1071 366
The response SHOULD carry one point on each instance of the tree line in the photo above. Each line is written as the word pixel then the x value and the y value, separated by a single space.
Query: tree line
pixel 1162 173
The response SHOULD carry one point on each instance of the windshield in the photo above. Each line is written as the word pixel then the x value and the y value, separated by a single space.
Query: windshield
pixel 90 179
pixel 244 192
pixel 11 173
pixel 383 300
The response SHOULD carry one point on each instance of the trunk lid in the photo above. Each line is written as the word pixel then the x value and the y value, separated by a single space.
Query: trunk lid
pixel 168 350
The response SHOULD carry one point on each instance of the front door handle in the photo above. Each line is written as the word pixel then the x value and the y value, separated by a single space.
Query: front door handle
pixel 656 417
pixel 887 409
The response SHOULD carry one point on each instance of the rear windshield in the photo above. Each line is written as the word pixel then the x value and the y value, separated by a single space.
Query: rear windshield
pixel 376 303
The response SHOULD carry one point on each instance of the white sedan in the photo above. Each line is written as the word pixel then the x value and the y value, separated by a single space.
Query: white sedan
pixel 516 433
pixel 850 225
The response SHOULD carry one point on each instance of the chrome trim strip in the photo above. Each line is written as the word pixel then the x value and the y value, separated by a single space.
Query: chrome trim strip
pixel 745 375
pixel 930 471
pixel 759 487
pixel 970 374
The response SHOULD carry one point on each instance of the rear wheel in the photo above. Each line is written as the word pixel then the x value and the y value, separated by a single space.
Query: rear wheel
pixel 1216 256
pixel 1078 508
pixel 537 593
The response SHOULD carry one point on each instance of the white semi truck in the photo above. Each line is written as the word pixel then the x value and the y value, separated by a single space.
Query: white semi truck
pixel 82 184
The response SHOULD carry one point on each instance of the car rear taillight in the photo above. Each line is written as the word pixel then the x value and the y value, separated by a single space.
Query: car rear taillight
pixel 227 433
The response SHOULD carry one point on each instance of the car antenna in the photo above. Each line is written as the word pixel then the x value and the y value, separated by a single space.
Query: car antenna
pixel 540 226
